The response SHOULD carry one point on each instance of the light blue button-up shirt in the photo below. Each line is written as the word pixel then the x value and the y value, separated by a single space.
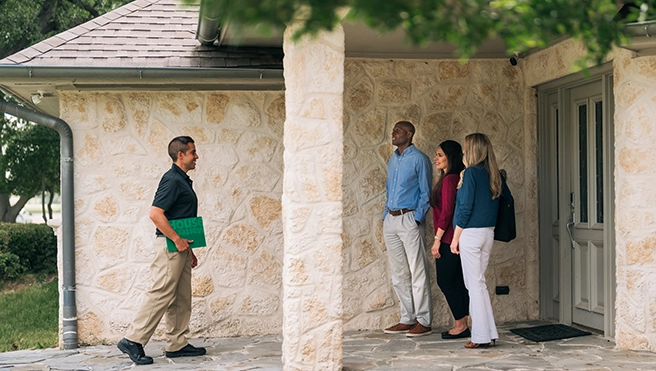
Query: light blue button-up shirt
pixel 409 178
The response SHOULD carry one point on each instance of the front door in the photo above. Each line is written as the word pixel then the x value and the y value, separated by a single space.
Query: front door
pixel 576 222
pixel 584 159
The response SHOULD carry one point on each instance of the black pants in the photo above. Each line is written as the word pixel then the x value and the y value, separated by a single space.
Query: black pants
pixel 450 281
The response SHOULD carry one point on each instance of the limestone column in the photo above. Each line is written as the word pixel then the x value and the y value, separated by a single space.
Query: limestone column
pixel 312 201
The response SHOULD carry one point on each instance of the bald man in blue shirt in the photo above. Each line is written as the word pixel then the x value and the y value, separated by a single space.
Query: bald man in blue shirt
pixel 409 179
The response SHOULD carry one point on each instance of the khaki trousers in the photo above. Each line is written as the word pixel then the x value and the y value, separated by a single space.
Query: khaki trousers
pixel 169 296
pixel 406 250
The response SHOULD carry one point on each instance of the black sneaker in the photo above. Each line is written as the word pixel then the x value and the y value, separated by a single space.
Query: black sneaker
pixel 134 351
pixel 188 351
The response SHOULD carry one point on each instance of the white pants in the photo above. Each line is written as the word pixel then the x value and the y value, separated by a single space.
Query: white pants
pixel 475 247
pixel 406 250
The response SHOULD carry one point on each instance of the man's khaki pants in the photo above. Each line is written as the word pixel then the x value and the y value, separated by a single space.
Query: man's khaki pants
pixel 170 295
pixel 406 250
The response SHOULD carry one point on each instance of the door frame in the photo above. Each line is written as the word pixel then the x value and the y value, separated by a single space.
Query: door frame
pixel 547 193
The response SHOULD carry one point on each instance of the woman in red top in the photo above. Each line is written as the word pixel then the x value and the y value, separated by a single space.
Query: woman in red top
pixel 448 159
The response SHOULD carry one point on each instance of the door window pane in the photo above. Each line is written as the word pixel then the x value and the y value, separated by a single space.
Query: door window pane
pixel 599 154
pixel 583 162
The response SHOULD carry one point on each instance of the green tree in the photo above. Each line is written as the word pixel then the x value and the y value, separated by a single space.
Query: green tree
pixel 24 23
pixel 30 153
pixel 521 24
pixel 30 164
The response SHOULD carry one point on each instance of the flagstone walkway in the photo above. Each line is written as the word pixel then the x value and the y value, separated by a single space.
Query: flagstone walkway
pixel 371 350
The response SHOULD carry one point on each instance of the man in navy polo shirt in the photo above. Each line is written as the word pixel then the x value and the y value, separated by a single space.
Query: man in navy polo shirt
pixel 170 294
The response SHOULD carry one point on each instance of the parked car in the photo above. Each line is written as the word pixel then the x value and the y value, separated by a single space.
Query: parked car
pixel 24 217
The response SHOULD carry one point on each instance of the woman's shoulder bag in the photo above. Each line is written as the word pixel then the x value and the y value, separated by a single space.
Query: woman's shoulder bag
pixel 505 229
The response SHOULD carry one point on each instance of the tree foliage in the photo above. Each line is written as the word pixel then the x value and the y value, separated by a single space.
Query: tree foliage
pixel 521 24
pixel 30 153
pixel 30 163
pixel 24 23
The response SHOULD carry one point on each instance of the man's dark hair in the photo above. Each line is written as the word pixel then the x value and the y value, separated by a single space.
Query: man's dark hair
pixel 408 126
pixel 178 144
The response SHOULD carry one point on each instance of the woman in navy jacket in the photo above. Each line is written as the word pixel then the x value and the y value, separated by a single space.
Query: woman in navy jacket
pixel 477 204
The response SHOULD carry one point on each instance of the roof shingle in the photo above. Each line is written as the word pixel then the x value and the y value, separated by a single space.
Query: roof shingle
pixel 144 33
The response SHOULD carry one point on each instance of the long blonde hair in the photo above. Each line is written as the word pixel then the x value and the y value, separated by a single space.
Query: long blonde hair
pixel 478 148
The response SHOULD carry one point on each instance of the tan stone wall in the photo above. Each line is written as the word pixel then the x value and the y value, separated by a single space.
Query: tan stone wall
pixel 120 155
pixel 445 100
pixel 120 148
pixel 635 214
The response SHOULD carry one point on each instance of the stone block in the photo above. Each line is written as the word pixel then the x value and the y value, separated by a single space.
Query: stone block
pixel 372 183
pixel 89 327
pixel 465 121
pixel 111 113
pixel 378 69
pixel 485 95
pixel 638 125
pixel 266 210
pixel 257 177
pixel 411 112
pixel 106 208
pixel 393 92
pixel 275 113
pixel 201 285
pixel 110 246
pixel 177 108
pixel 378 300
pixel 258 303
pixel 407 68
pixel 215 107
pixel 642 251
pixel 360 95
pixel 265 271
pixel 258 147
pixel 636 160
pixel 352 69
pixel 447 97
pixel 89 150
pixel 117 280
pixel 222 307
pixel 243 113
pixel 423 84
pixel 243 237
pixel 450 70
pixel 368 129
pixel 229 268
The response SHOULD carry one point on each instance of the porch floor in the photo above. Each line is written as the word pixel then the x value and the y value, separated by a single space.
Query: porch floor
pixel 362 351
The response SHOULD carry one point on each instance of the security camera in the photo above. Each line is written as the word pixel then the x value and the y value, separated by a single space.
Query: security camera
pixel 513 61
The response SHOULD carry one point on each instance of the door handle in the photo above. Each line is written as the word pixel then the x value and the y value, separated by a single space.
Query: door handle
pixel 569 231
pixel 570 224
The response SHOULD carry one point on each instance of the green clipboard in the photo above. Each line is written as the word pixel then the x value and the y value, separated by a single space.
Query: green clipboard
pixel 189 229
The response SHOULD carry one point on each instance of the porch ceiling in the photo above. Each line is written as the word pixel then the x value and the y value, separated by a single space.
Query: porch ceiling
pixel 363 42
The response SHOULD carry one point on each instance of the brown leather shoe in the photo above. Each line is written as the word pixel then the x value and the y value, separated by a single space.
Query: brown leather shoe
pixel 419 330
pixel 399 328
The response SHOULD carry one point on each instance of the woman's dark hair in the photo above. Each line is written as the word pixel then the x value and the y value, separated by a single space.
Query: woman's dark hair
pixel 453 152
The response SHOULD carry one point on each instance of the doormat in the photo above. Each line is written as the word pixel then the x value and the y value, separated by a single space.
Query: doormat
pixel 549 332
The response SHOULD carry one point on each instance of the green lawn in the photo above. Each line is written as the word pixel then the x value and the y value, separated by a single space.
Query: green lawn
pixel 29 317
